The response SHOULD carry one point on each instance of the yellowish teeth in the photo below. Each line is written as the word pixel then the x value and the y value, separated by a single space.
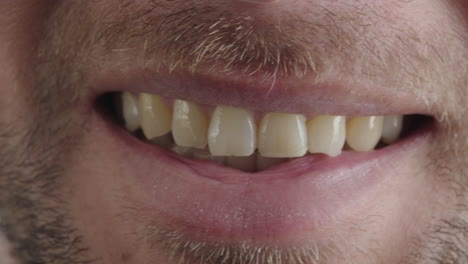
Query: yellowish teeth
pixel 392 127
pixel 232 132
pixel 189 125
pixel 282 136
pixel 156 117
pixel 363 133
pixel 327 135
pixel 231 136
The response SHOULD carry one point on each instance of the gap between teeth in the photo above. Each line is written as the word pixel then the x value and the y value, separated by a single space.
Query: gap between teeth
pixel 231 136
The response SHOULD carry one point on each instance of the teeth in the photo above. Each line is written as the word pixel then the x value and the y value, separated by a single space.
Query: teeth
pixel 231 138
pixel 182 151
pixel 242 163
pixel 206 155
pixel 130 112
pixel 363 133
pixel 327 134
pixel 189 125
pixel 283 136
pixel 392 127
pixel 232 132
pixel 156 117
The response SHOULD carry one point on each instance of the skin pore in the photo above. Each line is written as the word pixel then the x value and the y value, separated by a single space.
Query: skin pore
pixel 61 193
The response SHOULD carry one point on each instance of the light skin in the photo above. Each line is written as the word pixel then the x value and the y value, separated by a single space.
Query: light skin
pixel 70 190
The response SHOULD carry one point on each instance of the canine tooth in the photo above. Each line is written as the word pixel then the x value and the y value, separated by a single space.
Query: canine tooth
pixel 203 154
pixel 327 134
pixel 156 117
pixel 232 132
pixel 363 133
pixel 282 136
pixel 130 112
pixel 392 127
pixel 189 125
pixel 264 163
pixel 242 163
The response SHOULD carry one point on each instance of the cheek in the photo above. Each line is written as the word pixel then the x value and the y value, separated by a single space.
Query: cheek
pixel 23 27
pixel 103 215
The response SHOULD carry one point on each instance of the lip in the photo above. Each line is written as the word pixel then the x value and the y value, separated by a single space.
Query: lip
pixel 317 166
pixel 210 202
pixel 207 201
pixel 261 94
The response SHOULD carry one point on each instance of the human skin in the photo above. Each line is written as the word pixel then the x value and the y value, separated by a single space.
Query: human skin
pixel 71 190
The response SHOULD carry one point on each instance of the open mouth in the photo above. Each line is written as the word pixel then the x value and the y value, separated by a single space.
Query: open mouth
pixel 217 163
pixel 252 141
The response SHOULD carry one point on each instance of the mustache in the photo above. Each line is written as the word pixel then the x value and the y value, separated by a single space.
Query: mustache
pixel 207 36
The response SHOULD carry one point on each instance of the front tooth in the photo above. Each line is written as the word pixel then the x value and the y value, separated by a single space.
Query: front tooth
pixel 156 117
pixel 327 135
pixel 242 163
pixel 283 136
pixel 392 127
pixel 232 132
pixel 189 125
pixel 130 112
pixel 363 133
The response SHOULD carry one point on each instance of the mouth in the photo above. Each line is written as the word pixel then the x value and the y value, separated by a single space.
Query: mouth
pixel 236 173
pixel 248 141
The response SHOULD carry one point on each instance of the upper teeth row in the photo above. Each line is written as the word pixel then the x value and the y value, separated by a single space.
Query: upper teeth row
pixel 234 131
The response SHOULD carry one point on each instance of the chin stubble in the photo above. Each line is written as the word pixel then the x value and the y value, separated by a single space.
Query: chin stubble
pixel 35 153
pixel 35 217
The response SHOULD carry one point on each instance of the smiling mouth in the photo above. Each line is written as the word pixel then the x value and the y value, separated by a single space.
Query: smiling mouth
pixel 218 161
pixel 250 141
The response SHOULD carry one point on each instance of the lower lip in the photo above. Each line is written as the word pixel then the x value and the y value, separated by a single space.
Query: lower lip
pixel 205 200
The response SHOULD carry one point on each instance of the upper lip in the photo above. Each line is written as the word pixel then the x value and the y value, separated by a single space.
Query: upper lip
pixel 315 194
pixel 286 95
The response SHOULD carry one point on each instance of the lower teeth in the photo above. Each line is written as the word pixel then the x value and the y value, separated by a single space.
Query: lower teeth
pixel 252 163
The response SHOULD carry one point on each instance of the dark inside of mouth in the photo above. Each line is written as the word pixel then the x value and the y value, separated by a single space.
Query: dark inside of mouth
pixel 110 105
